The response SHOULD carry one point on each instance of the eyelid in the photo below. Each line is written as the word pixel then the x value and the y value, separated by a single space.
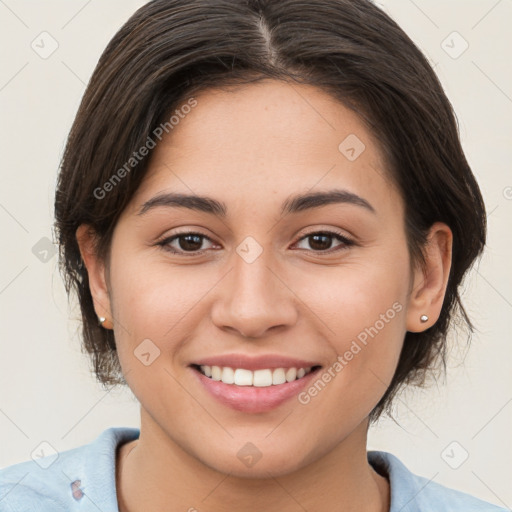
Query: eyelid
pixel 345 240
pixel 166 240
pixel 326 230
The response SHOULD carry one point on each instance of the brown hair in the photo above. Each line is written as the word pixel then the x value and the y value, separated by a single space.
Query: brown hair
pixel 170 49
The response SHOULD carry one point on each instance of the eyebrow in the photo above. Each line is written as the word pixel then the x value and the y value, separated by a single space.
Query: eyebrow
pixel 293 204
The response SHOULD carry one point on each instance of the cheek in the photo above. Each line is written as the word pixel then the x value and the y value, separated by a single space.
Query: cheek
pixel 362 307
pixel 150 297
pixel 158 302
pixel 371 307
pixel 365 292
pixel 153 307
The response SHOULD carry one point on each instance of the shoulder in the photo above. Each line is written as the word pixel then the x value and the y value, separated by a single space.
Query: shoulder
pixel 414 493
pixel 62 481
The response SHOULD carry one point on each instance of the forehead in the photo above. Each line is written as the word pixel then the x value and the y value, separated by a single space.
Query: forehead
pixel 252 142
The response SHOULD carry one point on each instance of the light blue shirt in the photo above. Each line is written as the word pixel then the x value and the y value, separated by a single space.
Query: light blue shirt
pixel 83 479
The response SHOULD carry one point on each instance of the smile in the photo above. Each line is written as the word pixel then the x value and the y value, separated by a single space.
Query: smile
pixel 253 391
pixel 258 378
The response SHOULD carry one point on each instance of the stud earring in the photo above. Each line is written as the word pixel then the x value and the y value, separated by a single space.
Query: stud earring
pixel 424 318
pixel 102 319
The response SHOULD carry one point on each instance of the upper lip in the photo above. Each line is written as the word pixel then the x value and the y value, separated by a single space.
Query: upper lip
pixel 255 363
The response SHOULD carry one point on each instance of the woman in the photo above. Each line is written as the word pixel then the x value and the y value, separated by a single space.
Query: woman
pixel 266 213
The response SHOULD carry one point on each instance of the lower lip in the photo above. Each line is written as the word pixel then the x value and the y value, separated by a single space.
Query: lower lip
pixel 253 399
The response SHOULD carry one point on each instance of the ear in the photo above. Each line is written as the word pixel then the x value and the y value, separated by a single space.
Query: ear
pixel 430 281
pixel 86 238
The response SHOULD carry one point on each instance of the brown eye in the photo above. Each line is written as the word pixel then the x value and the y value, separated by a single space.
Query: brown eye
pixel 322 241
pixel 185 243
pixel 189 242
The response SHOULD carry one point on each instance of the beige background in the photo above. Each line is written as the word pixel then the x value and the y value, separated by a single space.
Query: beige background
pixel 47 392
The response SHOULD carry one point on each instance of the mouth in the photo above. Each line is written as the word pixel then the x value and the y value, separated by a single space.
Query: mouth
pixel 257 390
pixel 261 378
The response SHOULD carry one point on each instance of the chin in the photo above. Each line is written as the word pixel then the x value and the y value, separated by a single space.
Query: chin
pixel 249 462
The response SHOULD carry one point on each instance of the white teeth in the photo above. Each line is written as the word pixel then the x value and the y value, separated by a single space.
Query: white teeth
pixel 242 377
pixel 262 378
pixel 291 374
pixel 258 378
pixel 228 375
pixel 216 373
pixel 278 376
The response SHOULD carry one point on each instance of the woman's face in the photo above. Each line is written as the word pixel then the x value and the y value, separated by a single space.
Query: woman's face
pixel 315 283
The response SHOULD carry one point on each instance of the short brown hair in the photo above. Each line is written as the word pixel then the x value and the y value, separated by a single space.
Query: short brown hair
pixel 171 49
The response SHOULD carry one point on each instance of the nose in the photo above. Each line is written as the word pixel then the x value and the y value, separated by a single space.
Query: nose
pixel 254 299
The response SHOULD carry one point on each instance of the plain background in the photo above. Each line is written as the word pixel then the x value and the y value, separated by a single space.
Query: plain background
pixel 47 390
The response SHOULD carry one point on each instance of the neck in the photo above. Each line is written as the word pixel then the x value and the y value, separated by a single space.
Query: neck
pixel 154 473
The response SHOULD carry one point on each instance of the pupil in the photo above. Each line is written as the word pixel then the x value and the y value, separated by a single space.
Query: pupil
pixel 315 244
pixel 189 246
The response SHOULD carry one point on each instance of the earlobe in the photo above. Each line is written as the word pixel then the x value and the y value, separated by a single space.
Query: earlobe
pixel 86 239
pixel 430 280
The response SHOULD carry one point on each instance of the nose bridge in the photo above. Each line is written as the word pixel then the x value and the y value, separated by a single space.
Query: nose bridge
pixel 255 299
pixel 254 280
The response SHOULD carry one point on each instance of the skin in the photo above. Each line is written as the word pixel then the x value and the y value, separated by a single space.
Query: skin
pixel 252 148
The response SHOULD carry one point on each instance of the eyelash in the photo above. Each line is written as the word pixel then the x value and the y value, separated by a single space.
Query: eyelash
pixel 346 242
